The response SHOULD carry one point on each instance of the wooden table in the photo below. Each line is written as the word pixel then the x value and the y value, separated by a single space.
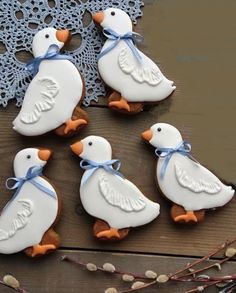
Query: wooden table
pixel 194 42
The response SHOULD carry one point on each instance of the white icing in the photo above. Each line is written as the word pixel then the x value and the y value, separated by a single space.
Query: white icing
pixel 45 110
pixel 45 104
pixel 41 44
pixel 168 137
pixel 109 197
pixel 139 73
pixel 100 151
pixel 68 79
pixel 21 220
pixel 198 185
pixel 120 22
pixel 31 213
pixel 186 182
pixel 115 198
pixel 136 82
pixel 27 158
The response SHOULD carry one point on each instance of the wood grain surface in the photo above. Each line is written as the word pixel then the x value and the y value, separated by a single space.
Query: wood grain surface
pixel 194 43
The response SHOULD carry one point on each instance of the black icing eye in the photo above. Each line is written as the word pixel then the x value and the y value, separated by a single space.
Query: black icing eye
pixel 159 129
pixel 90 143
pixel 28 157
pixel 47 36
pixel 113 13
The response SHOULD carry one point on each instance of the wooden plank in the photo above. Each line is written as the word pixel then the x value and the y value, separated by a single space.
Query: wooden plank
pixel 49 274
pixel 139 161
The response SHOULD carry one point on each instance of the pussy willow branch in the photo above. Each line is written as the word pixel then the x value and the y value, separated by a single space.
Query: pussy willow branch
pixel 117 272
pixel 146 285
pixel 210 282
pixel 194 272
pixel 207 257
pixel 180 275
pixel 204 287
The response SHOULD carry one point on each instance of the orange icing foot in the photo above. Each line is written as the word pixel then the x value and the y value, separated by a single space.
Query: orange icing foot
pixel 73 124
pixel 109 234
pixel 189 216
pixel 42 249
pixel 122 104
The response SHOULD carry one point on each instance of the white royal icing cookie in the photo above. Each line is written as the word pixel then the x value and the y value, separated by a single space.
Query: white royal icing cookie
pixel 183 180
pixel 54 92
pixel 33 209
pixel 106 194
pixel 124 68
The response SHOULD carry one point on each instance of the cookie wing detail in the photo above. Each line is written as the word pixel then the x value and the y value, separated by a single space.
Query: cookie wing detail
pixel 116 198
pixel 141 73
pixel 45 102
pixel 196 185
pixel 20 220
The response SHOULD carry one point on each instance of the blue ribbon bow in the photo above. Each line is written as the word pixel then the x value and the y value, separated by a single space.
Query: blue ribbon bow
pixel 30 175
pixel 184 148
pixel 52 54
pixel 91 167
pixel 130 38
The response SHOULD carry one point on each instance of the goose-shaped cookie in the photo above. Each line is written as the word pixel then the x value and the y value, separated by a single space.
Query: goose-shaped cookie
pixel 135 78
pixel 107 195
pixel 53 97
pixel 185 182
pixel 27 220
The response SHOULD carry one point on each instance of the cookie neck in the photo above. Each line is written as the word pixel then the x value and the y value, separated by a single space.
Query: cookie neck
pixel 21 172
pixel 101 159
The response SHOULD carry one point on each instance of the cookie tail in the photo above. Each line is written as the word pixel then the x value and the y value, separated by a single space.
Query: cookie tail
pixel 233 185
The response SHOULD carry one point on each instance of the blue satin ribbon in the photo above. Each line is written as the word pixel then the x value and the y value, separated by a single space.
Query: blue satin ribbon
pixel 130 38
pixel 30 175
pixel 33 65
pixel 91 167
pixel 184 148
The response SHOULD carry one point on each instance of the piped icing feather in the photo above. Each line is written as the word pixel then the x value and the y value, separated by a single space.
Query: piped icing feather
pixel 141 73
pixel 46 103
pixel 20 221
pixel 194 185
pixel 115 198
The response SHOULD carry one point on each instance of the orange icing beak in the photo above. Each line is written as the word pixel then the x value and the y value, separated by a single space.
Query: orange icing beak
pixel 147 135
pixel 62 35
pixel 77 148
pixel 44 155
pixel 98 17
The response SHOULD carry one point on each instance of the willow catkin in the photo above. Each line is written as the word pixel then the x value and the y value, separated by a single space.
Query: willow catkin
pixel 111 290
pixel 11 281
pixel 91 267
pixel 150 274
pixel 108 267
pixel 137 285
